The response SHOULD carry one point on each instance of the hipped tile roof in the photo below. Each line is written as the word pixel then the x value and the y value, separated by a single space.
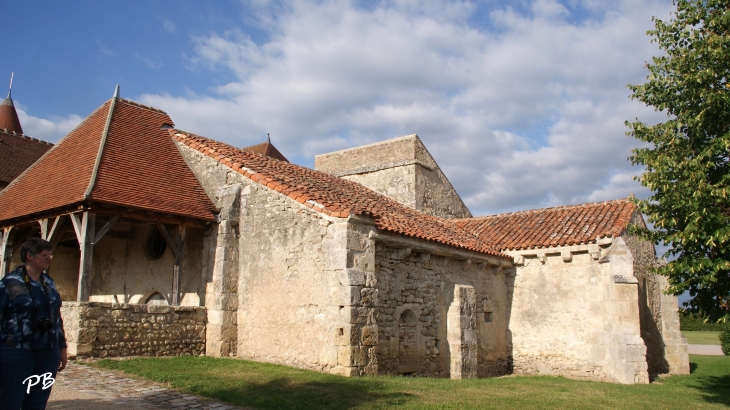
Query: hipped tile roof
pixel 335 196
pixel 267 149
pixel 18 152
pixel 139 167
pixel 550 227
pixel 9 117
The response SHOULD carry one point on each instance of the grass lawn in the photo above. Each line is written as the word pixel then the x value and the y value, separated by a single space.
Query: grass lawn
pixel 701 337
pixel 268 386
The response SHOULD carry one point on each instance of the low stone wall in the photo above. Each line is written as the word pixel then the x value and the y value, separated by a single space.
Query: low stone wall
pixel 98 329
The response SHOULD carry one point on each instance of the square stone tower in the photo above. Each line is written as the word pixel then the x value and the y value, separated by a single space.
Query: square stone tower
pixel 401 168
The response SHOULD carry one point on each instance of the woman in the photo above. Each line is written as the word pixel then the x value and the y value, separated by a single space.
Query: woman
pixel 32 341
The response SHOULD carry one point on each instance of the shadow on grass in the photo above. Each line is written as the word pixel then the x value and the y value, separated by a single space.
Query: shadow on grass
pixel 287 393
pixel 715 388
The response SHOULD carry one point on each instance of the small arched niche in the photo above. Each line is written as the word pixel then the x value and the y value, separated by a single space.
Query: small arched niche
pixel 408 333
pixel 156 299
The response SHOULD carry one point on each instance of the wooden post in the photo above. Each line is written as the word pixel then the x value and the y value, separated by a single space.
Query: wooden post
pixel 5 254
pixel 85 230
pixel 177 268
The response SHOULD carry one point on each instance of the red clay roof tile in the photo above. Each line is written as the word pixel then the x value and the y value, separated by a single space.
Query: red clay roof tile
pixel 17 153
pixel 337 196
pixel 9 117
pixel 550 227
pixel 266 149
pixel 140 167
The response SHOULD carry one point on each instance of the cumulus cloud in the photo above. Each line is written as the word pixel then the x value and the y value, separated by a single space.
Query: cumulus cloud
pixel 521 108
pixel 47 129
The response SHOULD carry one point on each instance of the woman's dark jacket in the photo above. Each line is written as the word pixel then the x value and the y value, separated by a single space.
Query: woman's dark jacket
pixel 17 318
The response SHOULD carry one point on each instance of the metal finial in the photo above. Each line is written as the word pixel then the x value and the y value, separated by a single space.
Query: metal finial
pixel 116 92
pixel 10 89
pixel 268 138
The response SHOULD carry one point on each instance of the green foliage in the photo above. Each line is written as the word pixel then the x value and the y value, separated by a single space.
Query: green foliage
pixel 686 157
pixel 688 321
pixel 725 341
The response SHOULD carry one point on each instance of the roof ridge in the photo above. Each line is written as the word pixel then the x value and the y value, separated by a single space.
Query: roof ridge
pixel 24 136
pixel 147 107
pixel 309 197
pixel 100 151
pixel 561 207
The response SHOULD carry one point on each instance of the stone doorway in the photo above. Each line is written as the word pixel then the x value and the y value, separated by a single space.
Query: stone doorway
pixel 408 342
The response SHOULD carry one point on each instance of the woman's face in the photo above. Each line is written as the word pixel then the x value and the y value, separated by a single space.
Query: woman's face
pixel 40 261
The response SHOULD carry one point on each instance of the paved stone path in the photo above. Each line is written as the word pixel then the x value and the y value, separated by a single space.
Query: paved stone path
pixel 707 350
pixel 88 388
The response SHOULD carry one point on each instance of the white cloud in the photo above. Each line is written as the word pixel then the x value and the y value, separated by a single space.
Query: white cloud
pixel 148 61
pixel 520 110
pixel 103 49
pixel 169 26
pixel 47 129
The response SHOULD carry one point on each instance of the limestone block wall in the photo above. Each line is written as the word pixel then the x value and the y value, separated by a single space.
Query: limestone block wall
pixel 401 168
pixel 355 297
pixel 666 346
pixel 575 313
pixel 220 266
pixel 289 259
pixel 98 329
pixel 274 288
pixel 459 312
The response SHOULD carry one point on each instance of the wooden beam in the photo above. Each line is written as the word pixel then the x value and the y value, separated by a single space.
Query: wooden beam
pixel 108 209
pixel 171 243
pixel 77 225
pixel 5 253
pixel 44 228
pixel 85 236
pixel 106 228
pixel 49 234
pixel 177 268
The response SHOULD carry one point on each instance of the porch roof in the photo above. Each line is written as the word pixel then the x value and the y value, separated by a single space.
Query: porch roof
pixel 119 155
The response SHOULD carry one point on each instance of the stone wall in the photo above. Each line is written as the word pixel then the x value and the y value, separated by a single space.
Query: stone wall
pixel 458 312
pixel 401 168
pixel 220 259
pixel 276 266
pixel 666 346
pixel 98 329
pixel 575 313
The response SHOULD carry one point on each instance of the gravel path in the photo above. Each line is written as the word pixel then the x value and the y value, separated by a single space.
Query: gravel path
pixel 707 350
pixel 88 388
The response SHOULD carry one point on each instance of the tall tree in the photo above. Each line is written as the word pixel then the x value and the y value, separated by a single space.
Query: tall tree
pixel 686 157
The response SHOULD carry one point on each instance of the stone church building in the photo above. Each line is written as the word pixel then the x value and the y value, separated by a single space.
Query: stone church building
pixel 170 243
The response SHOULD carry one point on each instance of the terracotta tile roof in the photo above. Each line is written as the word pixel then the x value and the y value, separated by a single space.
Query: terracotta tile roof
pixel 267 149
pixel 18 152
pixel 9 117
pixel 335 196
pixel 139 167
pixel 549 227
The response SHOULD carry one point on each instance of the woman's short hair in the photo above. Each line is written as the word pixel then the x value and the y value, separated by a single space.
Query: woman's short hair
pixel 34 246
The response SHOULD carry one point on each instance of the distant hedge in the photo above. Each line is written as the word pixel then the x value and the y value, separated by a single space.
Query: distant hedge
pixel 692 322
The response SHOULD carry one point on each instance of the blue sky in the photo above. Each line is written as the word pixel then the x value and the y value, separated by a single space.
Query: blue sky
pixel 522 103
